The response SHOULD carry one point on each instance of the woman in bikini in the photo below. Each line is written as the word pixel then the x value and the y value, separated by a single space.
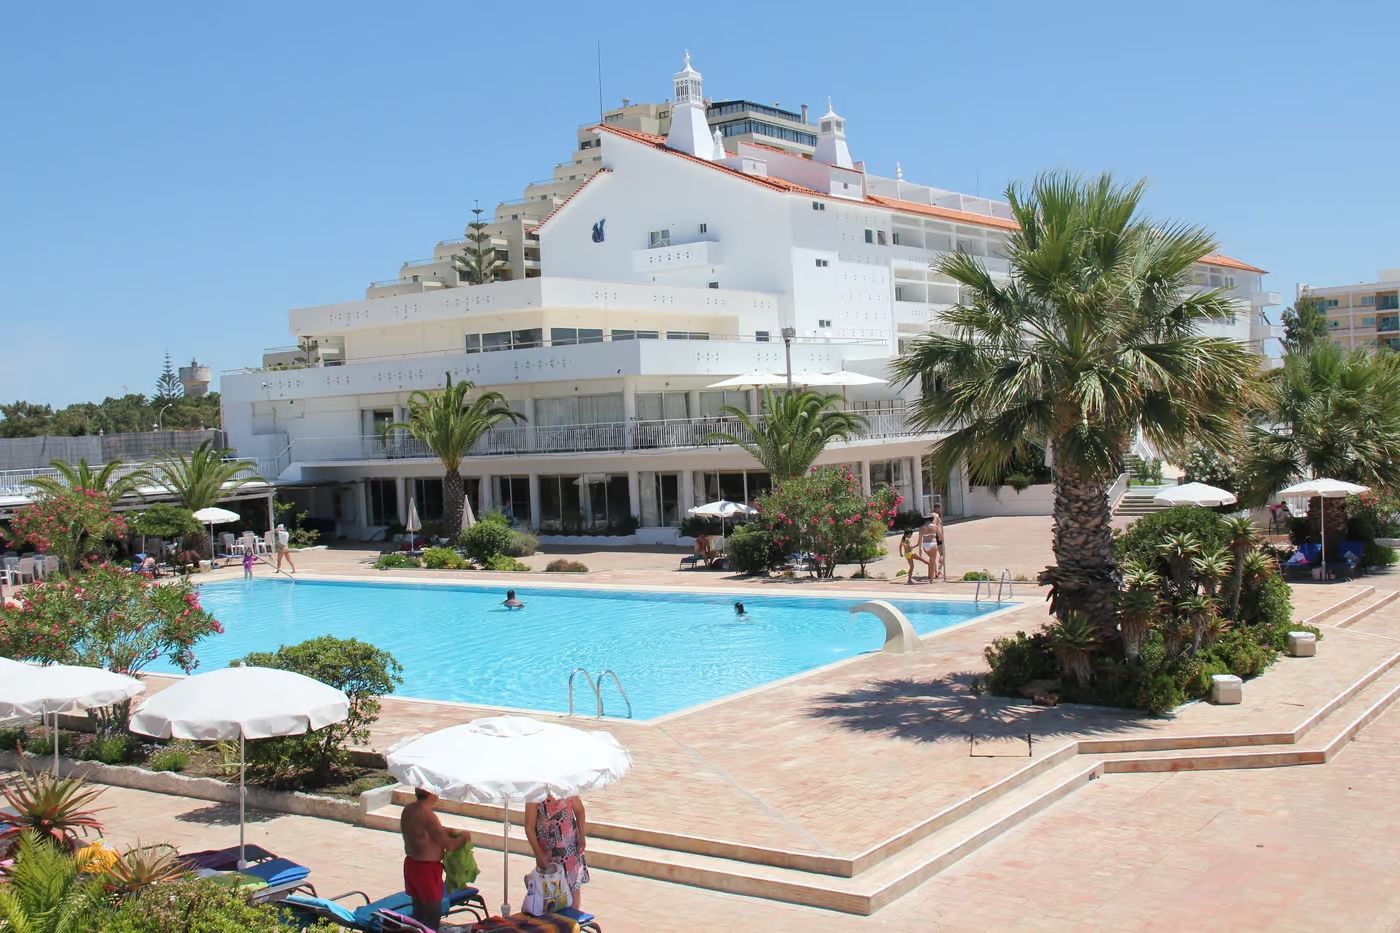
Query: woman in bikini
pixel 929 539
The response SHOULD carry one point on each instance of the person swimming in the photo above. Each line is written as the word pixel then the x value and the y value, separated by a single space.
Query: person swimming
pixel 739 609
pixel 510 602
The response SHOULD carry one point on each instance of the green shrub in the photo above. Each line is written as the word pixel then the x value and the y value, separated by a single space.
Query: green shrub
pixel 360 785
pixel 363 671
pixel 564 565
pixel 195 904
pixel 1139 542
pixel 1020 481
pixel 486 539
pixel 1379 555
pixel 171 758
pixel 12 738
pixel 43 745
pixel 521 544
pixel 503 563
pixel 112 749
pixel 442 558
pixel 1016 660
pixel 972 576
pixel 395 560
pixel 752 550
pixel 1270 602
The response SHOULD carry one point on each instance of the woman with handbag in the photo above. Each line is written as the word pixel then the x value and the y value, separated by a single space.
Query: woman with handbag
pixel 555 829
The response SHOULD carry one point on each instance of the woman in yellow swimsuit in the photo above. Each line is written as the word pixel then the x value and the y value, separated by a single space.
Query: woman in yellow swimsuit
pixel 910 554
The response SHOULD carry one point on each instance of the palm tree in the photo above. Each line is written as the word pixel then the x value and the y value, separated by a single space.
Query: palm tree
pixel 1330 412
pixel 792 434
pixel 82 476
pixel 1074 639
pixel 204 476
pixel 1094 339
pixel 1242 537
pixel 450 425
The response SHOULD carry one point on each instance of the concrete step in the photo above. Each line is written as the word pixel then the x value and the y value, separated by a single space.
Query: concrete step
pixel 1353 617
pixel 1318 745
pixel 862 894
pixel 1350 600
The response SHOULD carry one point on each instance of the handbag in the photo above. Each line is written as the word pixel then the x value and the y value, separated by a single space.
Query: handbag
pixel 545 891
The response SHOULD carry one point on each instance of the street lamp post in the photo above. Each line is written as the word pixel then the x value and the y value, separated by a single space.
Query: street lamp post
pixel 788 334
pixel 160 418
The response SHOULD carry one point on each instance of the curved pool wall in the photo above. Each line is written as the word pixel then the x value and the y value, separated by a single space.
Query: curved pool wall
pixel 671 650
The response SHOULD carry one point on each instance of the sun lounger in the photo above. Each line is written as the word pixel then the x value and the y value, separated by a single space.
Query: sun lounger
pixel 367 915
pixel 567 920
pixel 690 560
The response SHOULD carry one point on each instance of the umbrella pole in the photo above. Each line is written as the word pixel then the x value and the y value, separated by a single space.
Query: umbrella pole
pixel 242 795
pixel 505 859
pixel 1322 501
pixel 55 743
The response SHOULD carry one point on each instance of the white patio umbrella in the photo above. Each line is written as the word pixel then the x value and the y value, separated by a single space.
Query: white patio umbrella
pixel 1195 494
pixel 845 378
pixel 29 690
pixel 755 379
pixel 413 525
pixel 1323 489
pixel 502 759
pixel 240 703
pixel 215 516
pixel 722 509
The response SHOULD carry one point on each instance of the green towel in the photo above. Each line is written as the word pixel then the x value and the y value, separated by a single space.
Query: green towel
pixel 460 866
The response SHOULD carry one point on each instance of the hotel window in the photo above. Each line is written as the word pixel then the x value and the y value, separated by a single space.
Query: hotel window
pixel 880 237
pixel 822 263
pixel 712 404
pixel 635 335
pixel 661 495
pixel 1368 322
pixel 383 495
pixel 761 336
pixel 686 335
pixel 818 206
pixel 568 336
pixel 658 238
pixel 899 293
pixel 869 236
pixel 1368 300
pixel 427 495
pixel 714 285
pixel 824 322
pixel 579 409
pixel 733 485
pixel 1332 302
pixel 513 498
pixel 473 343
pixel 661 406
pixel 573 503
pixel 896 474
pixel 704 228
pixel 895 237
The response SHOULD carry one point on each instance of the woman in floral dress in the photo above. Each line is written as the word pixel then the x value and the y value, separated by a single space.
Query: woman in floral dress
pixel 555 829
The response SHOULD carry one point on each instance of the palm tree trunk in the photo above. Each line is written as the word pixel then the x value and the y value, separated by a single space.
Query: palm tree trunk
pixel 1083 577
pixel 454 493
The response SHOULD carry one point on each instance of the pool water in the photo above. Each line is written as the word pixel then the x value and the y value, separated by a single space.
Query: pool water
pixel 670 650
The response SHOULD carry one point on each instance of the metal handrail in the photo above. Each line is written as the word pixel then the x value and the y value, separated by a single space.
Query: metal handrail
pixel 588 679
pixel 986 577
pixel 1005 580
pixel 599 690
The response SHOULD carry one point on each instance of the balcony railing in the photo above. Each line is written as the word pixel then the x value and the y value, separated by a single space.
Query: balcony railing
pixel 16 482
pixel 567 438
pixel 1387 324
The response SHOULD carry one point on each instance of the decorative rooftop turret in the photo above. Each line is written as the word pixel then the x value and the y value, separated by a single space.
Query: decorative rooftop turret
pixel 831 140
pixel 690 131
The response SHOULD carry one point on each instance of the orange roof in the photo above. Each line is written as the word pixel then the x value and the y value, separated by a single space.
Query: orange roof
pixel 894 204
pixel 1227 262
pixel 560 206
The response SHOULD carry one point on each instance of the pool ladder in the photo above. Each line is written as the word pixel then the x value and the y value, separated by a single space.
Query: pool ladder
pixel 597 687
pixel 1004 582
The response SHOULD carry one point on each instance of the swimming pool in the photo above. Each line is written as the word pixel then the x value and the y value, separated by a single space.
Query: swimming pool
pixel 671 650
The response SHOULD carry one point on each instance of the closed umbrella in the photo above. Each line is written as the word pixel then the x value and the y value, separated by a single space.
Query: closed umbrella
pixel 1195 494
pixel 413 525
pixel 241 703
pixel 722 509
pixel 502 759
pixel 215 516
pixel 61 688
pixel 468 517
pixel 1323 489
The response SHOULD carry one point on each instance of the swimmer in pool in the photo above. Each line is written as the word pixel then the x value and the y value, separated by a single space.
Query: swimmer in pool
pixel 510 602
pixel 739 609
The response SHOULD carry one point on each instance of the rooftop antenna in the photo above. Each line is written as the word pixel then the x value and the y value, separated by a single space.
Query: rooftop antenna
pixel 600 80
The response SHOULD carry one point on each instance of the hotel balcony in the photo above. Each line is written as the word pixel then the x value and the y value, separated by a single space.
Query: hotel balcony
pixel 668 256
pixel 1387 325
pixel 520 440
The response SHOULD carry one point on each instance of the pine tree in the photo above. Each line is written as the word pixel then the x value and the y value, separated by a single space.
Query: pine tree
pixel 1304 324
pixel 478 265
pixel 168 386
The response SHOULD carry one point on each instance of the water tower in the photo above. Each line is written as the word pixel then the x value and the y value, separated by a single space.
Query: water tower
pixel 195 378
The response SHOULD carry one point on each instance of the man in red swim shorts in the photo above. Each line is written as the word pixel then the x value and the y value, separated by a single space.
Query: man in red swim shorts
pixel 425 842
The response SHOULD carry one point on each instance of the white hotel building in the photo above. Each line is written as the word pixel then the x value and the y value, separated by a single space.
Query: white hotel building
pixel 677 264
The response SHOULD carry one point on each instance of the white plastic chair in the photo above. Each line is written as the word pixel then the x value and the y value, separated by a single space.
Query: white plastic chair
pixel 268 544
pixel 230 543
pixel 25 568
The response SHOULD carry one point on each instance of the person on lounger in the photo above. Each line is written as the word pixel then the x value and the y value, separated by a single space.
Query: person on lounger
pixel 704 549
pixel 425 842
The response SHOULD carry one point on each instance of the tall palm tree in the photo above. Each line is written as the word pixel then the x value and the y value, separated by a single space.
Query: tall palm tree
pixel 450 424
pixel 1094 339
pixel 793 431
pixel 204 476
pixel 82 476
pixel 1329 413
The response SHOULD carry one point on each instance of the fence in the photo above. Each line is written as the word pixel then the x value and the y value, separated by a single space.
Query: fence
pixel 27 453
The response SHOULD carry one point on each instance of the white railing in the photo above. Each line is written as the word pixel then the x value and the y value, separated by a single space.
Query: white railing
pixel 565 438
pixel 1117 491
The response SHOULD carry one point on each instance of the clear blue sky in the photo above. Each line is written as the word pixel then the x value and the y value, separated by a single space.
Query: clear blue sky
pixel 178 175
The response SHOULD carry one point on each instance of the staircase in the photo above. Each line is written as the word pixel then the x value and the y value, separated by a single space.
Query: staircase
pixel 1138 501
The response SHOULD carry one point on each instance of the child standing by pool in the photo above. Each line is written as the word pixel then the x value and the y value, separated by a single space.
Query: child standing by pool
pixel 248 565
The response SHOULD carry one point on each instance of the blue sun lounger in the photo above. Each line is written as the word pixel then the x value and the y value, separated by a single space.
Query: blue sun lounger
pixel 368 915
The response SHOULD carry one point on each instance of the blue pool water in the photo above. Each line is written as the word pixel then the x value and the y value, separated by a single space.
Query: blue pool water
pixel 671 650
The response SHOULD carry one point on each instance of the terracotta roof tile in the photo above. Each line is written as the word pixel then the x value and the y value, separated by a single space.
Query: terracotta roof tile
pixel 560 206
pixel 946 213
pixel 1227 262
